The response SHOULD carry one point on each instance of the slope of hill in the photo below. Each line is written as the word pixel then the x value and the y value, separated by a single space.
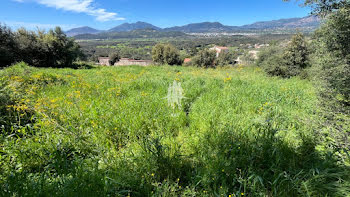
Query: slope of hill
pixel 201 27
pixel 305 22
pixel 133 26
pixel 141 33
pixel 82 30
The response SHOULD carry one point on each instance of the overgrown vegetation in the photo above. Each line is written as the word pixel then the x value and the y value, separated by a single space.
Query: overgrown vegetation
pixel 286 62
pixel 205 59
pixel 329 62
pixel 166 54
pixel 178 131
pixel 40 49
pixel 110 131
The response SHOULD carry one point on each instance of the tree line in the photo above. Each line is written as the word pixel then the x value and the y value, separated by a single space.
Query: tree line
pixel 38 48
pixel 168 54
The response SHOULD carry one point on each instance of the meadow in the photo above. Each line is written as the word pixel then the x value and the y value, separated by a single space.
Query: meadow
pixel 111 131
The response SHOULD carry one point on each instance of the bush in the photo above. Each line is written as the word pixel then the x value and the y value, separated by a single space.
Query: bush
pixel 266 53
pixel 331 63
pixel 40 49
pixel 227 58
pixel 205 58
pixel 288 62
pixel 7 47
pixel 113 58
pixel 275 66
pixel 166 54
pixel 296 55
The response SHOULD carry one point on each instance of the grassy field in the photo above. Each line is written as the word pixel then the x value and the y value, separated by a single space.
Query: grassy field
pixel 112 132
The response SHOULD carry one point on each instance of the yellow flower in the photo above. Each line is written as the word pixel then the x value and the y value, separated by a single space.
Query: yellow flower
pixel 152 174
pixel 223 170
pixel 242 194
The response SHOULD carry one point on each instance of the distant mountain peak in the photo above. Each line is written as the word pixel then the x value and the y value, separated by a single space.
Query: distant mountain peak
pixel 82 30
pixel 133 26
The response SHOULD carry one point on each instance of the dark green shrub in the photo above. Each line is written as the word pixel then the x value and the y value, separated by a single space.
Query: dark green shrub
pixel 166 54
pixel 332 59
pixel 296 55
pixel 227 58
pixel 288 62
pixel 40 49
pixel 266 53
pixel 7 47
pixel 113 58
pixel 275 66
pixel 205 59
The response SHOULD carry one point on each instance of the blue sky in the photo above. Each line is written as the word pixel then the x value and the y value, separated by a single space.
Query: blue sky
pixel 105 14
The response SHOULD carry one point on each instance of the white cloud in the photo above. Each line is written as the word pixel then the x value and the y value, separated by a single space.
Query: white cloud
pixel 79 6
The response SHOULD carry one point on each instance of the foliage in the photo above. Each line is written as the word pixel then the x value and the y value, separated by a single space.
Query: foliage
pixel 40 49
pixel 286 62
pixel 205 59
pixel 332 61
pixel 275 65
pixel 7 46
pixel 247 58
pixel 296 55
pixel 166 54
pixel 325 7
pixel 330 71
pixel 227 58
pixel 113 58
pixel 268 52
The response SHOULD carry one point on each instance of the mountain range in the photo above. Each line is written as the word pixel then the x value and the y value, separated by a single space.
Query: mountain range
pixel 305 23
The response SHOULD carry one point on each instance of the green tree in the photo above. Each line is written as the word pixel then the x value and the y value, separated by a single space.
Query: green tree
pixel 227 58
pixel 51 49
pixel 113 58
pixel 325 7
pixel 296 55
pixel 7 47
pixel 166 54
pixel 205 58
pixel 332 59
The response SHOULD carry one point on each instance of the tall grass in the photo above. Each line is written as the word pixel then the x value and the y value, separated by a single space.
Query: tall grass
pixel 111 132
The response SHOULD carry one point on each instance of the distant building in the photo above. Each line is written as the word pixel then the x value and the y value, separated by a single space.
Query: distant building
pixel 128 62
pixel 219 50
pixel 254 54
pixel 187 60
pixel 104 61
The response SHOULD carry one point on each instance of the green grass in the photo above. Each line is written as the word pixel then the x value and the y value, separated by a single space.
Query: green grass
pixel 110 132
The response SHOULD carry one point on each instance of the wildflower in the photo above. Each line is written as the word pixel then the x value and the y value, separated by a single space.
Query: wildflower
pixel 242 194
pixel 178 180
pixel 230 195
pixel 220 187
pixel 152 174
